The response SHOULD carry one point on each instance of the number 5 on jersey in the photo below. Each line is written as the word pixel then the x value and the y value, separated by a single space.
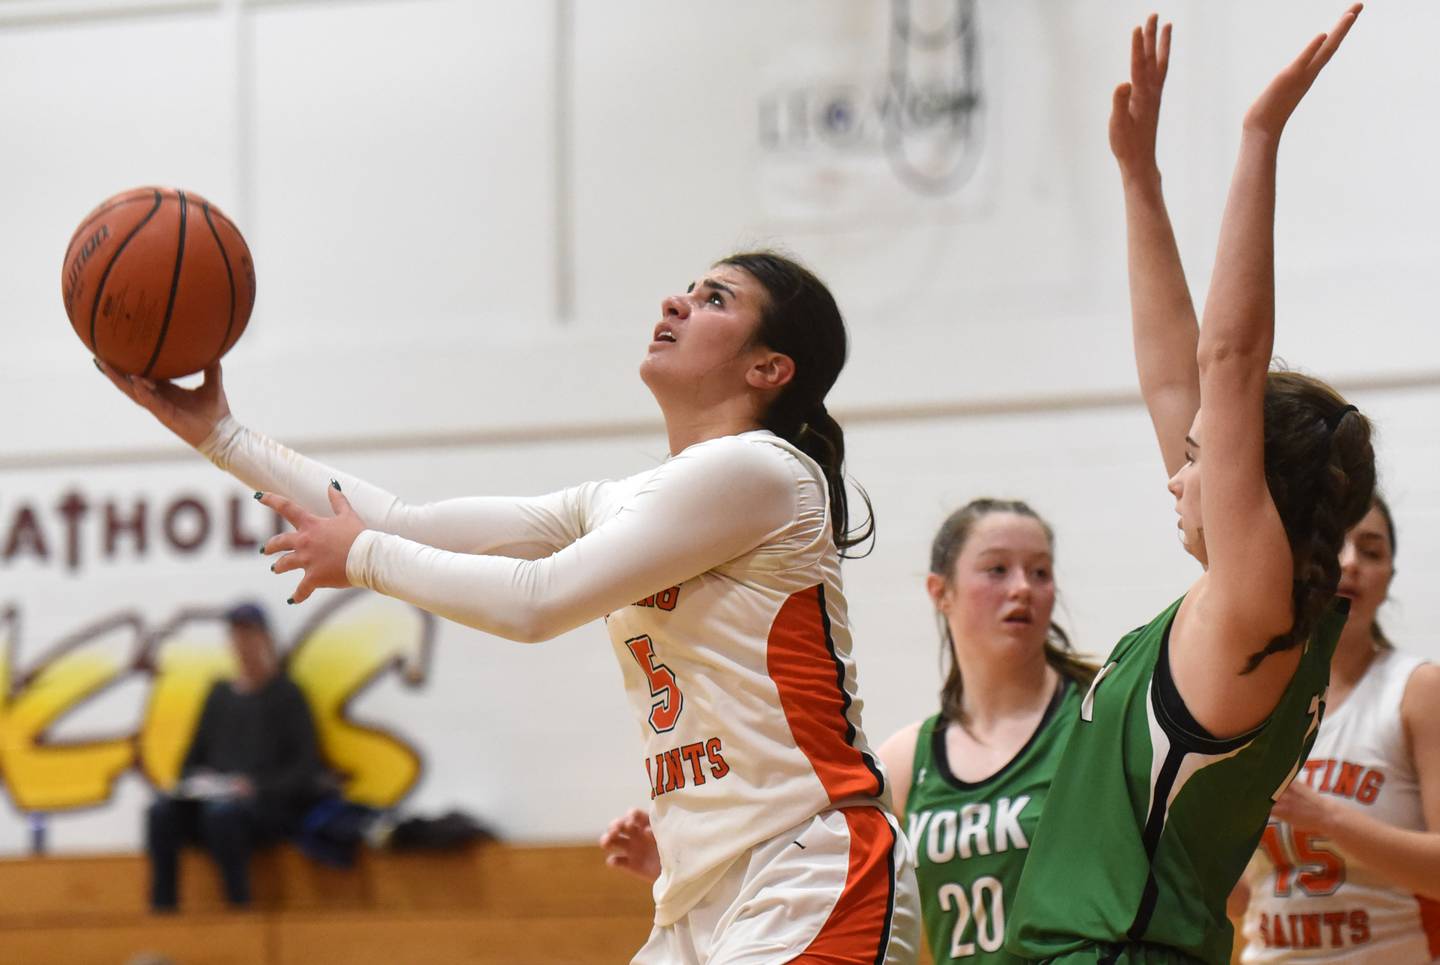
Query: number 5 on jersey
pixel 669 701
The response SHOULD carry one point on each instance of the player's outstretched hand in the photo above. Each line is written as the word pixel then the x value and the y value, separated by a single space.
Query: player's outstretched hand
pixel 1268 115
pixel 1135 110
pixel 320 545
pixel 629 843
pixel 191 414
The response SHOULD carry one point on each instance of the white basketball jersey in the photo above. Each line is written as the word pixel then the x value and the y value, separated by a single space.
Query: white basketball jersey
pixel 1309 901
pixel 743 684
pixel 741 677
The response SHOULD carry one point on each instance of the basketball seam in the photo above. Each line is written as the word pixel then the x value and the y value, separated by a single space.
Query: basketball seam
pixel 225 218
pixel 229 277
pixel 94 217
pixel 233 227
pixel 105 275
pixel 174 287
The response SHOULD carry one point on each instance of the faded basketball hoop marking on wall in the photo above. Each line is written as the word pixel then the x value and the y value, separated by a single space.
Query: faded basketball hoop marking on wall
pixel 918 126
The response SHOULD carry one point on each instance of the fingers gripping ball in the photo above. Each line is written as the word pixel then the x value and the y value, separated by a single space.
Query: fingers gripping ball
pixel 158 282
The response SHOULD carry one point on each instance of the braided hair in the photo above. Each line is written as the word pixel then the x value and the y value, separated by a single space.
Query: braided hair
pixel 1320 470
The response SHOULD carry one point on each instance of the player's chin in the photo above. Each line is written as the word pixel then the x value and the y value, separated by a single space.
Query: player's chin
pixel 658 372
pixel 1195 546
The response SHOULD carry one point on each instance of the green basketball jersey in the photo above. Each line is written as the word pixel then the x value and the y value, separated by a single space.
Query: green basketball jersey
pixel 1150 821
pixel 971 840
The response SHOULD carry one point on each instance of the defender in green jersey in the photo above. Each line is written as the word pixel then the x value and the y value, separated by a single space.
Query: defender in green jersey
pixel 973 778
pixel 1200 719
pixel 1177 812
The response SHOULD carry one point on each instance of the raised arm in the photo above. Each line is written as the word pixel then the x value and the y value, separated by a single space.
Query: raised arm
pixel 1162 315
pixel 1250 565
pixel 707 506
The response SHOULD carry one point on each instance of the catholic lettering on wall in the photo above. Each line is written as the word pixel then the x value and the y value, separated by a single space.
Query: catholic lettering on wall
pixel 878 111
pixel 77 529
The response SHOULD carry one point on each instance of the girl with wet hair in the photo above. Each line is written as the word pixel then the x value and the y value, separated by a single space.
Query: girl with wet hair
pixel 1349 864
pixel 1199 720
pixel 718 576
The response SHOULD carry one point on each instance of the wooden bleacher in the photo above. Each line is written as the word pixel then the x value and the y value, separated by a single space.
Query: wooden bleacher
pixel 491 904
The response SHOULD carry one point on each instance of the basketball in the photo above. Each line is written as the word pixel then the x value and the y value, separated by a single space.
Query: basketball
pixel 158 282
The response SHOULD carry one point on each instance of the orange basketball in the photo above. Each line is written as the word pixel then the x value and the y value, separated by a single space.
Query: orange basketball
pixel 158 282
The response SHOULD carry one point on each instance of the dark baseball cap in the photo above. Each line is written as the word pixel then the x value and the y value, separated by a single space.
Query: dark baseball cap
pixel 247 615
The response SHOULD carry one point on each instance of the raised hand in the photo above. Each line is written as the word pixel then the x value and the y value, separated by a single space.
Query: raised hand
pixel 320 545
pixel 189 413
pixel 1135 110
pixel 1267 116
pixel 1161 313
pixel 629 844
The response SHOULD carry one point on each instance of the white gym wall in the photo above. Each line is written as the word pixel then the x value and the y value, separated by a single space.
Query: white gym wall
pixel 464 214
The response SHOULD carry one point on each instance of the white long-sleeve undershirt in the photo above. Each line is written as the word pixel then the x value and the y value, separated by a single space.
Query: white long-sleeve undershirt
pixel 525 528
pixel 551 563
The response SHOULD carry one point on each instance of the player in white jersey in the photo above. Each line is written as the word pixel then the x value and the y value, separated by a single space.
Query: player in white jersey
pixel 718 575
pixel 1009 702
pixel 1349 865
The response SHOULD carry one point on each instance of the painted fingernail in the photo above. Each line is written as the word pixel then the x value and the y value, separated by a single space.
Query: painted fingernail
pixel 272 567
pixel 97 366
pixel 259 495
pixel 336 484
pixel 262 549
pixel 291 601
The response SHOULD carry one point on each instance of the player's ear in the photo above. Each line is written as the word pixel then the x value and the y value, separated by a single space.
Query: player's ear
pixel 935 589
pixel 773 370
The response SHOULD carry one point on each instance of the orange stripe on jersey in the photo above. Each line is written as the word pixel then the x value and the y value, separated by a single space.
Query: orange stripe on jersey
pixel 800 656
pixel 1430 923
pixel 858 929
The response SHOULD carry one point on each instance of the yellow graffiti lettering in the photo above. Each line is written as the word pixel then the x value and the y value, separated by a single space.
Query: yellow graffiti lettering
pixel 185 670
pixel 349 645
pixel 45 774
pixel 335 662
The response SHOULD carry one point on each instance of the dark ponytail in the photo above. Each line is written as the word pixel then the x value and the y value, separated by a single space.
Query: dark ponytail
pixel 1320 469
pixel 801 320
pixel 944 551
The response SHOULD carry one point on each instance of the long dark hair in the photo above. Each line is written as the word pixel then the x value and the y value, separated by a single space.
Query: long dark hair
pixel 1320 469
pixel 800 319
pixel 1381 641
pixel 944 551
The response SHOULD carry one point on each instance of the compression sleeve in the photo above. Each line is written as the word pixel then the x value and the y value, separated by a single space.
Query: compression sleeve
pixel 713 502
pixel 524 528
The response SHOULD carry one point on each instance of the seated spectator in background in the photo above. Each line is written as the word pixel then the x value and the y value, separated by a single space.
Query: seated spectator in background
pixel 252 771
